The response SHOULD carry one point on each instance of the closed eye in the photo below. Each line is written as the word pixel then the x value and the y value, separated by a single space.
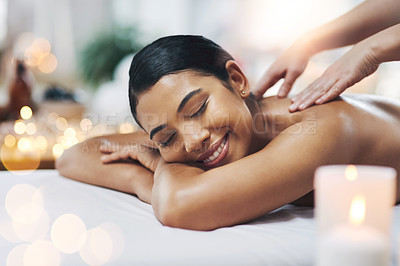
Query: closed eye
pixel 201 110
pixel 166 143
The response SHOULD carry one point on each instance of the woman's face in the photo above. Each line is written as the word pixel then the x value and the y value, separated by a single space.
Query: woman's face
pixel 195 118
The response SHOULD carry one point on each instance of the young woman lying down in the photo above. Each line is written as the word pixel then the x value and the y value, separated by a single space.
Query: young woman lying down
pixel 209 155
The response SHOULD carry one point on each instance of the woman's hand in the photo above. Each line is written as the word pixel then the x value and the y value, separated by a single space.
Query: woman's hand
pixel 351 68
pixel 148 156
pixel 289 66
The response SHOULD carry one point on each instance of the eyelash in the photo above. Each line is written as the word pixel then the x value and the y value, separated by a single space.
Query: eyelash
pixel 199 112
pixel 166 143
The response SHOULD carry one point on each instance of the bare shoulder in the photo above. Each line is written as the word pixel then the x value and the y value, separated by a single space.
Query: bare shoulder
pixel 280 122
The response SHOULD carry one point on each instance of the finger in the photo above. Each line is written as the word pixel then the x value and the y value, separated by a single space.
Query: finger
pixel 308 96
pixel 109 147
pixel 318 90
pixel 116 156
pixel 268 80
pixel 299 99
pixel 107 158
pixel 333 92
pixel 290 78
pixel 309 101
pixel 303 103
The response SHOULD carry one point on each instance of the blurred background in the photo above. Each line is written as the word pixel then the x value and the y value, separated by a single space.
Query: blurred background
pixel 68 60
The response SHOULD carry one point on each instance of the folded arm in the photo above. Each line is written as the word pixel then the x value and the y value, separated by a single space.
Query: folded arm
pixel 82 162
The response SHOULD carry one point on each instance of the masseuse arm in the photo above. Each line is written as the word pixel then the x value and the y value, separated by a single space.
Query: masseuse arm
pixel 188 197
pixel 361 22
pixel 82 162
pixel 361 61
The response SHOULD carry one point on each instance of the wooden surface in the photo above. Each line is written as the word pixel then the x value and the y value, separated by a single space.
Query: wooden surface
pixel 28 165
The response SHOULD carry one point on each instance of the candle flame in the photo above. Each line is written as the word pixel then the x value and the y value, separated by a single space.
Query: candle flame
pixel 351 173
pixel 357 210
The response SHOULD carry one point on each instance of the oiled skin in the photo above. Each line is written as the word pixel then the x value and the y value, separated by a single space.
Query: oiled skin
pixel 356 129
pixel 372 128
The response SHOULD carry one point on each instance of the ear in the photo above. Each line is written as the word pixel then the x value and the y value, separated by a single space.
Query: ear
pixel 237 79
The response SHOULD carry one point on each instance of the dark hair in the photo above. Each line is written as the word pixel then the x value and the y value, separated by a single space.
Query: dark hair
pixel 172 54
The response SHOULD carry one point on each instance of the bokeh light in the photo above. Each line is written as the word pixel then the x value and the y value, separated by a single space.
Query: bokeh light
pixel 19 127
pixel 24 203
pixel 117 237
pixel 7 231
pixel 41 143
pixel 57 150
pixel 43 253
pixel 23 157
pixel 24 41
pixel 98 248
pixel 16 255
pixel 25 144
pixel 48 63
pixel 43 45
pixel 86 125
pixel 26 112
pixel 33 56
pixel 34 231
pixel 38 55
pixel 70 133
pixel 30 129
pixel 68 233
pixel 52 118
pixel 61 123
pixel 10 140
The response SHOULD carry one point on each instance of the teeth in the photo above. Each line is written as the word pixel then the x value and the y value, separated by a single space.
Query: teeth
pixel 216 153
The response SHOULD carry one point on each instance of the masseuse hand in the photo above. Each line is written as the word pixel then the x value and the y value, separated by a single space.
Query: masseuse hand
pixel 289 66
pixel 354 66
pixel 148 156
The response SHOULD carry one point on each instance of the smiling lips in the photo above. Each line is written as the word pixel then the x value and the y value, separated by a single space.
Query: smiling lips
pixel 216 153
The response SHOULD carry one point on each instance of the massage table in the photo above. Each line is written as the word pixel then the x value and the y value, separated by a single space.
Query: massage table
pixel 124 231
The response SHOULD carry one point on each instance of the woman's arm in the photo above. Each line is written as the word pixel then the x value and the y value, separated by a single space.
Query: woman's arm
pixel 82 162
pixel 361 22
pixel 282 172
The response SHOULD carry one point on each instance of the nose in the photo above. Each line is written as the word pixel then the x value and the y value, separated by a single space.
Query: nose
pixel 196 139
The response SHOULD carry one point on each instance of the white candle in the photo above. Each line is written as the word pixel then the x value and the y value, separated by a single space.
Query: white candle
pixel 336 187
pixel 349 246
pixel 398 250
pixel 354 243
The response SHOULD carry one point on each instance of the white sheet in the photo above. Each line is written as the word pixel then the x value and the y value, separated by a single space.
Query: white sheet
pixel 285 237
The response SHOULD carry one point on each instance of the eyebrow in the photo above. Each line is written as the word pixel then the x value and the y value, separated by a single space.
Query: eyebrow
pixel 180 107
pixel 156 129
pixel 187 98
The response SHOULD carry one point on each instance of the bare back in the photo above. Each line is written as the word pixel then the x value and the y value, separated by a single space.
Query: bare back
pixel 371 126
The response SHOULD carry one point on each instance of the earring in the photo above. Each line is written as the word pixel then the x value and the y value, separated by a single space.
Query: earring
pixel 243 92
